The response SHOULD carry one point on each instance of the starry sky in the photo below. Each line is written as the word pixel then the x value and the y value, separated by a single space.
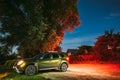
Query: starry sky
pixel 96 16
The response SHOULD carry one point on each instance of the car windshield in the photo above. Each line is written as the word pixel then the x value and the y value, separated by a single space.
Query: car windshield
pixel 38 56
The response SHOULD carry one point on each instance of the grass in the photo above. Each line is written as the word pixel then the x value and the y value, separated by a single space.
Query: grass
pixel 14 76
pixel 7 74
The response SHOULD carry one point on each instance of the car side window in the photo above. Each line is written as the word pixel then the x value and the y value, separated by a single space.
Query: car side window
pixel 55 55
pixel 47 56
pixel 62 55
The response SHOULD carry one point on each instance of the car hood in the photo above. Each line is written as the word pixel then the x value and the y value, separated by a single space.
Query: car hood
pixel 29 60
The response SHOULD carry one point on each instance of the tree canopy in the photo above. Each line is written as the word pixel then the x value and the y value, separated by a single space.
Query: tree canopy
pixel 36 25
pixel 108 44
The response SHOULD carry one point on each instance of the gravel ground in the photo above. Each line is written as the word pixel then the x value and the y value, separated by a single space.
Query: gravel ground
pixel 86 72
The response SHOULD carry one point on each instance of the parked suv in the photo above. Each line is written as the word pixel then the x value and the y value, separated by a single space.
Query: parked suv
pixel 42 61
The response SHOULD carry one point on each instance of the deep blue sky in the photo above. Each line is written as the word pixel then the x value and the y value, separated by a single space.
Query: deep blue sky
pixel 96 16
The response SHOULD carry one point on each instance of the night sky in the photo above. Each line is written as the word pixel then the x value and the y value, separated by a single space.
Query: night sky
pixel 96 16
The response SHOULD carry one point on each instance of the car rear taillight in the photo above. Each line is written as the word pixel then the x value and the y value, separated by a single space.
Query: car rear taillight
pixel 67 58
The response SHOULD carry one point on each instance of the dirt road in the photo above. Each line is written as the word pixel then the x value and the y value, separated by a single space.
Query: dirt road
pixel 86 72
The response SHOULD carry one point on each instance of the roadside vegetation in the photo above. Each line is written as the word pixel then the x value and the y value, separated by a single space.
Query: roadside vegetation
pixel 14 76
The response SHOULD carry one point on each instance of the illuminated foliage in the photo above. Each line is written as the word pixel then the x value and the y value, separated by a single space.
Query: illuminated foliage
pixel 58 48
pixel 108 44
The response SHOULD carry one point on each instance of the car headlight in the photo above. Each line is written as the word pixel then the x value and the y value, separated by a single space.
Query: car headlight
pixel 20 62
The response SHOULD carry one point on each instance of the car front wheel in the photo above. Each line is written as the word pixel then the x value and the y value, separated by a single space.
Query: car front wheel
pixel 30 70
pixel 63 67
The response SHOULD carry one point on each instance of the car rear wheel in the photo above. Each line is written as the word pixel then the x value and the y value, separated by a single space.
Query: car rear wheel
pixel 30 70
pixel 63 67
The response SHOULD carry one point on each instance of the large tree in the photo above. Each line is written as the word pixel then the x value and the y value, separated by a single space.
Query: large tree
pixel 108 44
pixel 36 25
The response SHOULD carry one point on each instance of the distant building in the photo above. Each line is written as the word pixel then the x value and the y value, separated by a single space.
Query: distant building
pixel 71 51
pixel 85 49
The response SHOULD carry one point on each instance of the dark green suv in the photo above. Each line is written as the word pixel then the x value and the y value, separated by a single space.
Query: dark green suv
pixel 43 61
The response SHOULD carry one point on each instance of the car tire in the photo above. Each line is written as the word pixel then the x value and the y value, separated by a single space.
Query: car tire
pixel 63 67
pixel 30 70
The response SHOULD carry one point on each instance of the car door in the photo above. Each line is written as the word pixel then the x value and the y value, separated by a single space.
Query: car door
pixel 55 60
pixel 45 61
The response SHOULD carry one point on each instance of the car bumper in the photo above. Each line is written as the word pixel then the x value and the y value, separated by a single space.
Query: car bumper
pixel 17 69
